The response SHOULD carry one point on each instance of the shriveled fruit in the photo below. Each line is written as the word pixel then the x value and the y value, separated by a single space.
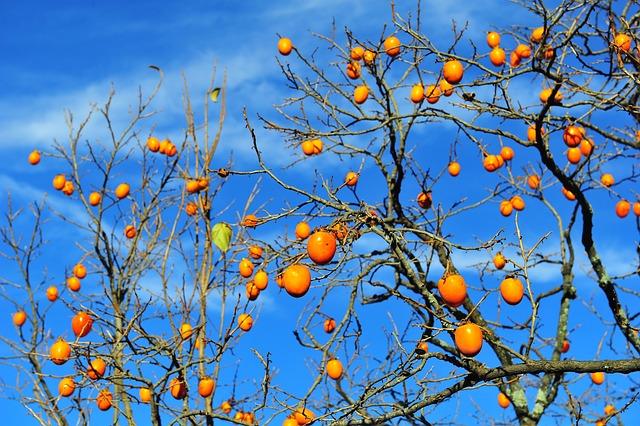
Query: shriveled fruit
pixel 245 322
pixel 285 46
pixel 468 339
pixel 354 70
pixel 351 179
pixel 503 401
pixel 329 325
pixel 369 56
pixel 623 207
pixel 205 386
pixel 334 369
pixel 303 230
pixel 597 377
pixel 499 261
pixel 66 386
pixel 360 94
pixel 97 368
pixel 191 208
pixel 245 267
pixel 452 71
pixel 454 168
pixel 424 199
pixel 422 348
pixel 178 388
pixel 453 290
pixel 392 46
pixel 297 280
pixel 321 247
pixel 81 324
pixel 60 352
pixel 512 290
pixel 68 188
pixel 104 400
pixel 497 56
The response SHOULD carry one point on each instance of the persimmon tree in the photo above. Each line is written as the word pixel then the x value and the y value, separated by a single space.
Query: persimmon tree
pixel 513 148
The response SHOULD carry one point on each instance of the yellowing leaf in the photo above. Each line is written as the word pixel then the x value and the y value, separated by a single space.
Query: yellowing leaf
pixel 213 95
pixel 221 236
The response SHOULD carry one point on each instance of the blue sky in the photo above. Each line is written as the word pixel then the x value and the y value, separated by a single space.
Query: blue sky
pixel 69 56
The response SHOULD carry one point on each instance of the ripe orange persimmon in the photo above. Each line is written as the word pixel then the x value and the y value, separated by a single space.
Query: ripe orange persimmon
pixel 565 346
pixel 354 70
pixel 178 388
pixel 493 39
pixel 252 291
pixel 586 147
pixel 523 51
pixel 360 94
pixel 446 88
pixel 226 407
pixel 623 42
pixel 153 144
pixel 191 208
pixel 79 271
pixel 95 198
pixel 392 46
pixel 285 46
pixel 432 93
pixel 351 179
pixel 568 194
pixel 329 325
pixel 255 252
pixel 205 386
pixel 503 401
pixel 81 324
pixel 507 153
pixel 417 93
pixel 19 318
pixel 572 136
pixel 537 35
pixel 297 280
pixel 506 208
pixel 52 293
pixel 514 60
pixel 321 247
pixel 145 395
pixel 545 94
pixel 96 369
pixel 512 290
pixel 130 231
pixel 60 352
pixel 597 377
pixel 369 56
pixel 34 157
pixel 245 268
pixel 491 163
pixel 203 183
pixel 290 421
pixel 424 199
pixel 186 331
pixel 59 181
pixel 517 202
pixel 623 207
pixel 468 339
pixel 357 53
pixel 497 56
pixel 122 190
pixel 303 230
pixel 531 133
pixel 334 369
pixel 73 284
pixel 452 71
pixel 250 221
pixel 422 348
pixel 636 208
pixel 499 261
pixel 191 186
pixel 245 322
pixel 304 416
pixel 549 53
pixel 533 181
pixel 452 289
pixel 68 188
pixel 574 155
pixel 261 280
pixel 66 386
pixel 104 400
pixel 609 409
pixel 454 168
pixel 607 179
pixel 317 146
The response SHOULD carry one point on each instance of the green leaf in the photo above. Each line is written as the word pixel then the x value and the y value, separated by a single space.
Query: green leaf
pixel 213 95
pixel 221 236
